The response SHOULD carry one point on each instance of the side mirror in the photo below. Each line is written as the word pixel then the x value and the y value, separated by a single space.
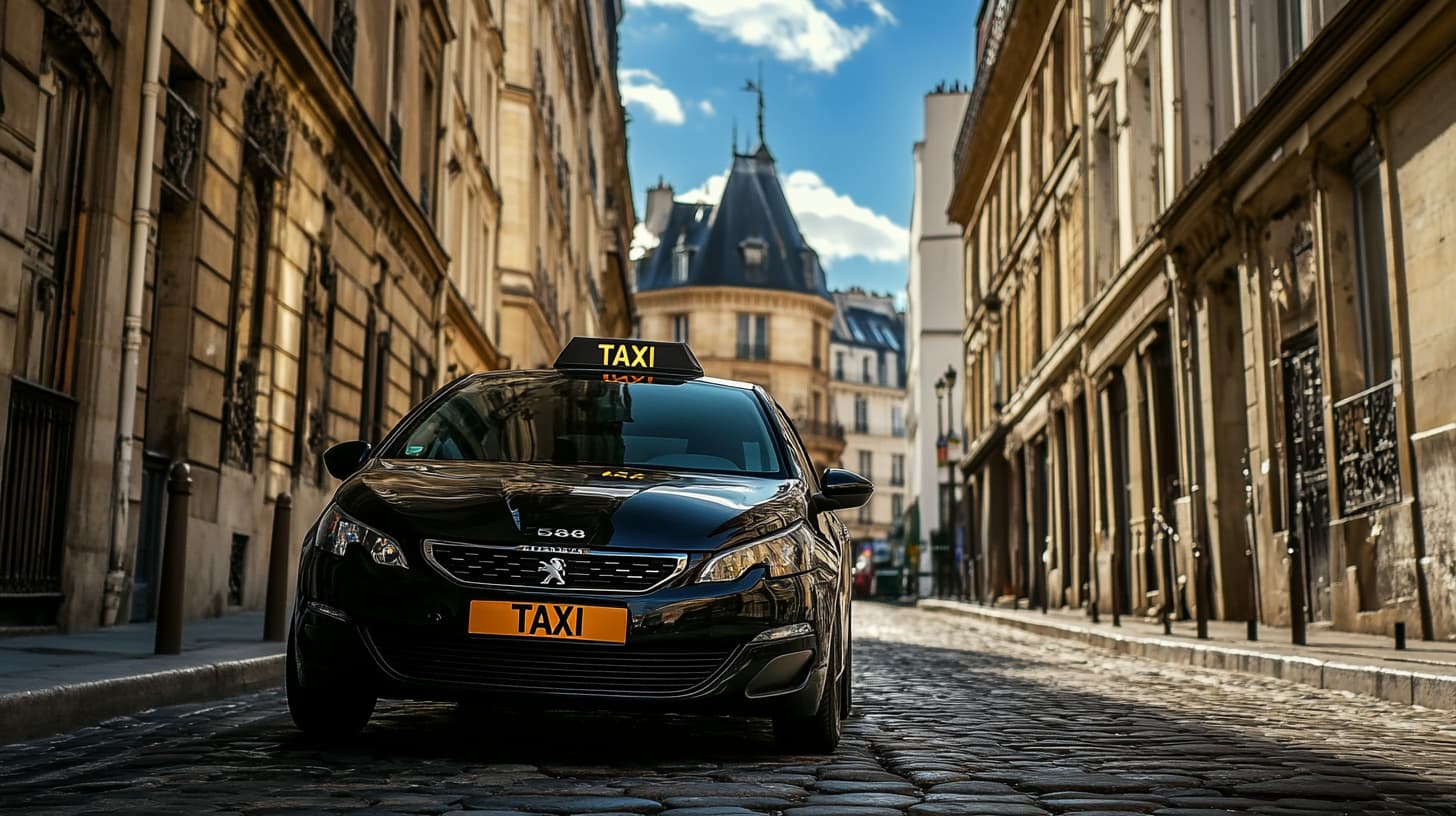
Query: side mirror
pixel 842 490
pixel 344 459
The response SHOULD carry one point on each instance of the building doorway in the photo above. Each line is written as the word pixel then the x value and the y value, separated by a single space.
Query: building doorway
pixel 1122 488
pixel 35 471
pixel 1308 484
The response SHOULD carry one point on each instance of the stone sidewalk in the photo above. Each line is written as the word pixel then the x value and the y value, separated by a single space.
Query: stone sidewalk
pixel 52 683
pixel 1423 674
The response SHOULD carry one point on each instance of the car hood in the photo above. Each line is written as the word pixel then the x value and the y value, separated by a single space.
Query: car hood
pixel 614 508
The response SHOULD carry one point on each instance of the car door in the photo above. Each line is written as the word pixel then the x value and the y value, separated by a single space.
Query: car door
pixel 828 525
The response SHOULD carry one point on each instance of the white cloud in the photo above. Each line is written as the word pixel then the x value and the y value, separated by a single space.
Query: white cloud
pixel 838 227
pixel 709 192
pixel 795 31
pixel 642 87
pixel 643 241
pixel 707 108
pixel 832 222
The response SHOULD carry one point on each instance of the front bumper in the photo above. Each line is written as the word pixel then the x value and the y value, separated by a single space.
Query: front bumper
pixel 689 646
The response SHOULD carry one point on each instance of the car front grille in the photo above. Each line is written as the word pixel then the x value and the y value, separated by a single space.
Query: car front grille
pixel 546 667
pixel 523 568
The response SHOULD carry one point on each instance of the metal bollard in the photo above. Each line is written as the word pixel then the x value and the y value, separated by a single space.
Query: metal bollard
pixel 1400 635
pixel 172 593
pixel 275 618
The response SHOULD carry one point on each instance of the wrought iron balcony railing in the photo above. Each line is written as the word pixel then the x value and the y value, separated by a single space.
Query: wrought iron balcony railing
pixel 1367 466
pixel 179 148
pixel 346 32
pixel 820 428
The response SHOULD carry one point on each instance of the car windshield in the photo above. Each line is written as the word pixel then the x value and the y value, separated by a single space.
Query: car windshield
pixel 550 418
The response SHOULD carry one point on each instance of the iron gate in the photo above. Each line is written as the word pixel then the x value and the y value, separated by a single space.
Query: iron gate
pixel 34 486
pixel 1308 488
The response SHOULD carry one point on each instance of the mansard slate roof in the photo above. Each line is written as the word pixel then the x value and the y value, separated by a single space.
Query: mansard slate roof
pixel 858 325
pixel 753 208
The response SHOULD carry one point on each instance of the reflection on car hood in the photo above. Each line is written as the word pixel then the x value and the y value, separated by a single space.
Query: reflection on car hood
pixel 510 503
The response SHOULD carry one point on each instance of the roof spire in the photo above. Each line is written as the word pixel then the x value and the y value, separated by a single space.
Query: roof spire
pixel 757 88
pixel 735 136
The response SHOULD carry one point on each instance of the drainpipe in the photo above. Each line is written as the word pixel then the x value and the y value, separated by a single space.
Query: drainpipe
pixel 142 224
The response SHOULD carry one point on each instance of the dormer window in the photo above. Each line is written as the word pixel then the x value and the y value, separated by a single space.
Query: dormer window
pixel 811 268
pixel 754 249
pixel 681 259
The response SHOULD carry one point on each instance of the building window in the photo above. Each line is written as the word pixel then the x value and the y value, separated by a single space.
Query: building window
pixel 867 464
pixel 1104 203
pixel 1372 294
pixel 865 515
pixel 883 370
pixel 897 507
pixel 396 90
pixel 897 469
pixel 996 380
pixel 753 249
pixel 897 420
pixel 681 259
pixel 864 375
pixel 839 365
pixel 861 415
pixel 346 32
pixel 752 337
pixel 1291 31
pixel 680 328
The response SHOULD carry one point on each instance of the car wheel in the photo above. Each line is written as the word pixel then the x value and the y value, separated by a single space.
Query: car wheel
pixel 324 714
pixel 817 733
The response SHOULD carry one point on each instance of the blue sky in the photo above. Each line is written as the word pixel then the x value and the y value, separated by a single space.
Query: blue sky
pixel 844 82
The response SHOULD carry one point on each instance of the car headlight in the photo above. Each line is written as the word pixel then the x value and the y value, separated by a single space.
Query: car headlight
pixel 787 552
pixel 337 533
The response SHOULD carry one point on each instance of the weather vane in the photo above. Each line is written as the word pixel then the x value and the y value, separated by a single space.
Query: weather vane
pixel 757 87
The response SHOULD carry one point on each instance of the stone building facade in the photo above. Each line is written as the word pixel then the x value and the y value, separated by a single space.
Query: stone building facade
pixel 867 399
pixel 738 281
pixel 934 317
pixel 1215 384
pixel 566 218
pixel 292 286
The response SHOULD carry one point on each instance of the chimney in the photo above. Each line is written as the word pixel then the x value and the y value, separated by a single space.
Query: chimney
pixel 659 207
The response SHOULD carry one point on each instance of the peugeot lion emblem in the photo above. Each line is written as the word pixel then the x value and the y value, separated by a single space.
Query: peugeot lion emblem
pixel 555 570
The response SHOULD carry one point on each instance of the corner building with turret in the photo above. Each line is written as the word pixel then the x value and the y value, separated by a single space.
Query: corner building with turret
pixel 738 281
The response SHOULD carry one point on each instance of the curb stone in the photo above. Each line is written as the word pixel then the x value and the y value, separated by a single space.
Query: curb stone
pixel 28 715
pixel 1395 685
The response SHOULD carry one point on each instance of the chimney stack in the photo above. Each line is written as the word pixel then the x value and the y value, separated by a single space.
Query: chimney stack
pixel 659 207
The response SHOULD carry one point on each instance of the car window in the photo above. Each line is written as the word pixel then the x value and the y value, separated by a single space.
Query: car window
pixel 796 449
pixel 579 421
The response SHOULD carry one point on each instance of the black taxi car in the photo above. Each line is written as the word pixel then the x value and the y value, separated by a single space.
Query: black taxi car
pixel 619 530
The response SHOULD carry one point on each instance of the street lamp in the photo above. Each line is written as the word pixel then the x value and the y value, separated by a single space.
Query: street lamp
pixel 953 558
pixel 942 455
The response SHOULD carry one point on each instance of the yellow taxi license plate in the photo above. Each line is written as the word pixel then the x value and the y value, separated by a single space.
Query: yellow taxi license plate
pixel 606 624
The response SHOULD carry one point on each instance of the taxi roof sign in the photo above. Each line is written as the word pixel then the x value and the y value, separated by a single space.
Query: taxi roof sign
pixel 617 355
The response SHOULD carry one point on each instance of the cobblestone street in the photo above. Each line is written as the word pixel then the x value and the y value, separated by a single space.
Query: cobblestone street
pixel 951 717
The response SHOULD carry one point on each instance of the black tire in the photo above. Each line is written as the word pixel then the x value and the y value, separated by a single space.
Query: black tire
pixel 815 734
pixel 330 714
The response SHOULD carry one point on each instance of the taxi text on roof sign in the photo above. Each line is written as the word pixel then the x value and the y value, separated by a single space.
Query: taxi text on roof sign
pixel 629 357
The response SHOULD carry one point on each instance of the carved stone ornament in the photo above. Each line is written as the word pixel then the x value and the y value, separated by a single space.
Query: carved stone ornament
pixel 78 17
pixel 265 126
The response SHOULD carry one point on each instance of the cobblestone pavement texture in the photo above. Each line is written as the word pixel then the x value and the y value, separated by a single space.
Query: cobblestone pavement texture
pixel 952 718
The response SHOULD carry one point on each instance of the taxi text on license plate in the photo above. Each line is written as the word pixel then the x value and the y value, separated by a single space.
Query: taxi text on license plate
pixel 549 620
